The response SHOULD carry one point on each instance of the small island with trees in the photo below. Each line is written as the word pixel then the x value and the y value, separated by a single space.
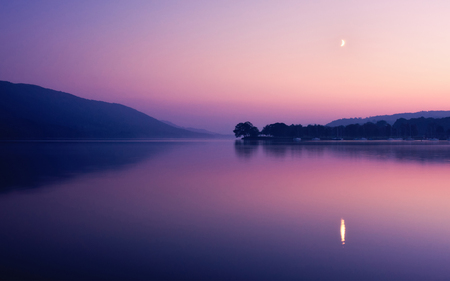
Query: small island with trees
pixel 403 129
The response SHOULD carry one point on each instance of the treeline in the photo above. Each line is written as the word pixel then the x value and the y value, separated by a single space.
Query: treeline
pixel 415 128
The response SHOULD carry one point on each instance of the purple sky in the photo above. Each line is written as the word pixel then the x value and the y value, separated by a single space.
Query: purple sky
pixel 212 64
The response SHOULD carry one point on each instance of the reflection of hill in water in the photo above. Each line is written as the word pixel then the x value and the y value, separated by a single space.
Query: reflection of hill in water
pixel 33 164
pixel 439 153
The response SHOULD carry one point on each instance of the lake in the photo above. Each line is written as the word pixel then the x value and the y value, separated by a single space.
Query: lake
pixel 224 210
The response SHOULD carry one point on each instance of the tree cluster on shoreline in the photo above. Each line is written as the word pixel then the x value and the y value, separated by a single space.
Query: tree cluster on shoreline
pixel 415 128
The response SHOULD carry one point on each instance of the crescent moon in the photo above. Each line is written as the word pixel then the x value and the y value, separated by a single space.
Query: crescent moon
pixel 343 43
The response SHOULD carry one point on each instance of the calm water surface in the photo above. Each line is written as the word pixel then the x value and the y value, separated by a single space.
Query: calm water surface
pixel 224 210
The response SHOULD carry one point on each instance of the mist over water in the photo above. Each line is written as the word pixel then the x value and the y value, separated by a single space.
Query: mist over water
pixel 224 210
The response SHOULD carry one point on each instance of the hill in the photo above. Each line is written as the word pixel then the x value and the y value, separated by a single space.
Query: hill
pixel 217 135
pixel 390 119
pixel 32 112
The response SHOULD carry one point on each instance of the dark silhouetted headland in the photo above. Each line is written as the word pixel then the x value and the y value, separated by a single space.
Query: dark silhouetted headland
pixel 32 112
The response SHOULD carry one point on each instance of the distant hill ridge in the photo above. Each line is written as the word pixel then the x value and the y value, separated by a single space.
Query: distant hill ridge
pixel 32 112
pixel 389 118
pixel 198 130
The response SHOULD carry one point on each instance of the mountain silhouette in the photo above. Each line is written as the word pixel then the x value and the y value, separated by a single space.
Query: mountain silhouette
pixel 390 119
pixel 32 112
pixel 217 135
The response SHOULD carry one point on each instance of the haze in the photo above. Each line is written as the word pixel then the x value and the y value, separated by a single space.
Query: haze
pixel 212 64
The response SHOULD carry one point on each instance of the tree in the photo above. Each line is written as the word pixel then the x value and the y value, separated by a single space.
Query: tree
pixel 276 130
pixel 245 130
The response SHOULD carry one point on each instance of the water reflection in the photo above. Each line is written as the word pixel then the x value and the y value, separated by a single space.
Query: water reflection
pixel 342 232
pixel 33 164
pixel 198 212
pixel 245 149
pixel 386 151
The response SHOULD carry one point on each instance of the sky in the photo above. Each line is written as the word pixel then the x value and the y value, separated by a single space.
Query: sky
pixel 212 64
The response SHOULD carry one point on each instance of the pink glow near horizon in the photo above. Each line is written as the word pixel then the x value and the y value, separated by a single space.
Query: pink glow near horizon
pixel 211 64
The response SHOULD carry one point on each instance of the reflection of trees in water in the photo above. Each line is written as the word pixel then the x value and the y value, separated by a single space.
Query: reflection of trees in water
pixel 315 151
pixel 33 164
pixel 246 149
pixel 381 151
pixel 296 151
pixel 275 150
pixel 417 153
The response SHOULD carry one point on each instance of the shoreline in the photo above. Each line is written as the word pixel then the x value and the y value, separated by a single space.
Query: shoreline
pixel 340 142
